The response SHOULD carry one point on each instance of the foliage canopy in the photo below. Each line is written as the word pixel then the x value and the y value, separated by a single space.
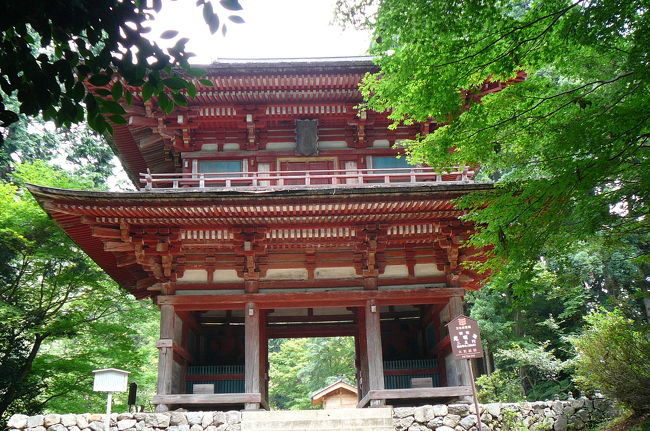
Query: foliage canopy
pixel 48 49
pixel 302 366
pixel 568 147
pixel 55 304
pixel 613 354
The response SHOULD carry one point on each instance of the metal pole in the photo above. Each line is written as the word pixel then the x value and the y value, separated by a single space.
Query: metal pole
pixel 478 412
pixel 107 421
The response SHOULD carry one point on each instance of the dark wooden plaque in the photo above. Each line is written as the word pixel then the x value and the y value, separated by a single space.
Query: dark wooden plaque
pixel 465 338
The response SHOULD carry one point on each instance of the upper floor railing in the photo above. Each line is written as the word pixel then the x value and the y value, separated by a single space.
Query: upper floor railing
pixel 313 178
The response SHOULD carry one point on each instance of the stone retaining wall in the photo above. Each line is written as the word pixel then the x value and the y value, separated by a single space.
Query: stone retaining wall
pixel 169 421
pixel 580 414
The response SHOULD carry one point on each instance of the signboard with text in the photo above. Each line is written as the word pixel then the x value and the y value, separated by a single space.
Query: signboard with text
pixel 465 338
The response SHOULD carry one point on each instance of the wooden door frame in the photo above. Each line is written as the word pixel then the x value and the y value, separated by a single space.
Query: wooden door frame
pixel 279 160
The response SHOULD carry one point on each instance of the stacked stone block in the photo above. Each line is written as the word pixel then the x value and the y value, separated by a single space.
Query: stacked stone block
pixel 169 421
pixel 580 414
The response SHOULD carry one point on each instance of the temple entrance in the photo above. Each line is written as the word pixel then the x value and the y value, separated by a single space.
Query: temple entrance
pixel 300 367
pixel 262 356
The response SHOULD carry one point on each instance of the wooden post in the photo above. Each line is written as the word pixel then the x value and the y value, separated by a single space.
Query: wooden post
pixel 363 352
pixel 252 352
pixel 165 354
pixel 475 398
pixel 375 359
pixel 264 359
pixel 456 309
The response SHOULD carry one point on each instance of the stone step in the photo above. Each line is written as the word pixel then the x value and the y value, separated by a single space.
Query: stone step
pixel 379 419
pixel 312 426
pixel 319 423
pixel 351 413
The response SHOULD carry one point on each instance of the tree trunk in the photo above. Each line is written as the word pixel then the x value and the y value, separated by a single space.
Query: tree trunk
pixel 523 373
pixel 13 390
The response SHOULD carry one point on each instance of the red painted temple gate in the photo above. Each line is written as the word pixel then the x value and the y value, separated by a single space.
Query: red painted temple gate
pixel 271 207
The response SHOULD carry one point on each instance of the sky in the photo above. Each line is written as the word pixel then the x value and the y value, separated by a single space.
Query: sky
pixel 272 29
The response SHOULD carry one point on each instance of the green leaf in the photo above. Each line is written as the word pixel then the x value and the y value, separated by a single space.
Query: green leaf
pixel 236 19
pixel 111 107
pixel 165 103
pixel 128 97
pixel 78 91
pixel 179 99
pixel 206 82
pixel 147 91
pixel 230 4
pixel 117 119
pixel 210 18
pixel 196 72
pixel 175 83
pixel 169 34
pixel 99 79
pixel 191 89
pixel 103 92
pixel 116 91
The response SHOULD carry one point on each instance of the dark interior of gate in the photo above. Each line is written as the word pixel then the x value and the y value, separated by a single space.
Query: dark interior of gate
pixel 413 346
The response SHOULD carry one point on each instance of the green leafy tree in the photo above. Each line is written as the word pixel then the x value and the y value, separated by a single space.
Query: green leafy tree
pixel 567 147
pixel 56 305
pixel 525 326
pixel 48 49
pixel 79 148
pixel 613 356
pixel 301 366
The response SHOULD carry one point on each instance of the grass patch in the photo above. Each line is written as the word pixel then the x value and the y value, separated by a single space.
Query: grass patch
pixel 629 422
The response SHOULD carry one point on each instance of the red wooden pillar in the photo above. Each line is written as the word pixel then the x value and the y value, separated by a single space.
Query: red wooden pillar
pixel 373 343
pixel 252 352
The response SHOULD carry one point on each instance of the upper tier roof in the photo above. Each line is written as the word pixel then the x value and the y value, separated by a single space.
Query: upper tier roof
pixel 272 90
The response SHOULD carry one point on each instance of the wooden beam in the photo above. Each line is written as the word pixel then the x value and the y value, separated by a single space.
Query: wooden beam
pixel 302 284
pixel 410 393
pixel 355 298
pixel 252 352
pixel 181 399
pixel 182 352
pixel 309 331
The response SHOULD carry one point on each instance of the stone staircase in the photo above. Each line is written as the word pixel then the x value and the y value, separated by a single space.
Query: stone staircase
pixel 375 419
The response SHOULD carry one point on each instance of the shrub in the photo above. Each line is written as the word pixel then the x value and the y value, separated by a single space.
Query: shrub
pixel 613 357
pixel 500 386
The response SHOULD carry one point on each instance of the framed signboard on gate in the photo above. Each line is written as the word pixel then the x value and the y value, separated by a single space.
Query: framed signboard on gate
pixel 465 338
